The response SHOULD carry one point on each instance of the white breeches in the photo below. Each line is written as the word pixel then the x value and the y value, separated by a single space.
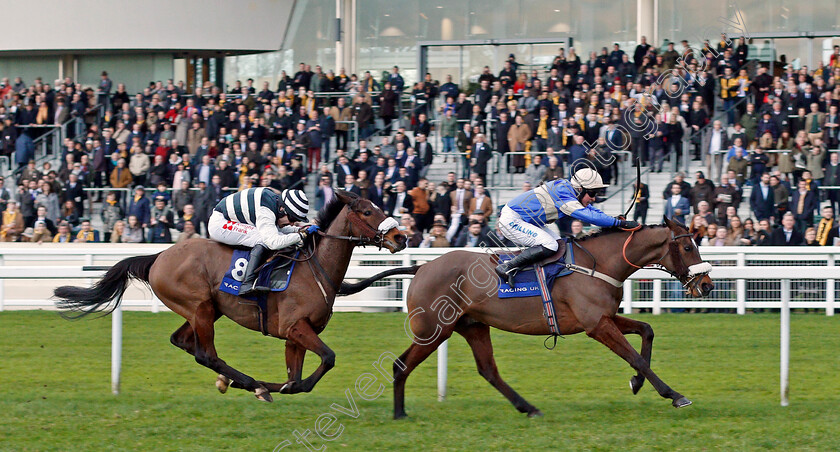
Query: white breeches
pixel 526 234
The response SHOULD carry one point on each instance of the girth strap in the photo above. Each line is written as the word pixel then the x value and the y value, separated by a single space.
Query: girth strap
pixel 262 304
pixel 593 273
pixel 548 305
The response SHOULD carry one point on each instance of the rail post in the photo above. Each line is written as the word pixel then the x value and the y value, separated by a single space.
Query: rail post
pixel 829 289
pixel 406 262
pixel 628 296
pixel 741 287
pixel 784 349
pixel 442 359
pixel 116 349
pixel 155 303
pixel 657 297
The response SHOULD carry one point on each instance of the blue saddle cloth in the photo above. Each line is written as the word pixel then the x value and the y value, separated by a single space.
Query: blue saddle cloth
pixel 274 274
pixel 525 281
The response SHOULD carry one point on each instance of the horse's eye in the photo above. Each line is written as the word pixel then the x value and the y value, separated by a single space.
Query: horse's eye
pixel 367 213
pixel 687 248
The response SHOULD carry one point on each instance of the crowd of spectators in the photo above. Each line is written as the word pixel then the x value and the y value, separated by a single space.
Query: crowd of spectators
pixel 160 160
pixel 776 213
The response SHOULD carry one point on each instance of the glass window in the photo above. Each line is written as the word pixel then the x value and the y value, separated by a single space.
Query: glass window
pixel 310 38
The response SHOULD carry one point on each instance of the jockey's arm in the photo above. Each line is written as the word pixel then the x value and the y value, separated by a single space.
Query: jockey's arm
pixel 271 237
pixel 566 202
pixel 591 214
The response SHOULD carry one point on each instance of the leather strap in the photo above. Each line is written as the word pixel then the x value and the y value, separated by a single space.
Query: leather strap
pixel 595 274
pixel 548 305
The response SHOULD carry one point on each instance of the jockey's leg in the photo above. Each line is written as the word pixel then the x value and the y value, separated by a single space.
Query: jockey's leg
pixel 541 243
pixel 527 257
pixel 240 234
pixel 249 284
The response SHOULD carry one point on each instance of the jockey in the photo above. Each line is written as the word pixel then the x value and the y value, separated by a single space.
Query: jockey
pixel 528 220
pixel 260 218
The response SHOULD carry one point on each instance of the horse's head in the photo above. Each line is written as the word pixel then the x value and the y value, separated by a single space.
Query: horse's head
pixel 684 262
pixel 368 221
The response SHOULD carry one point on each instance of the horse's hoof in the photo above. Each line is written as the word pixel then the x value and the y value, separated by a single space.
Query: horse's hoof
pixel 535 413
pixel 399 416
pixel 286 388
pixel 263 395
pixel 681 402
pixel 636 384
pixel 222 383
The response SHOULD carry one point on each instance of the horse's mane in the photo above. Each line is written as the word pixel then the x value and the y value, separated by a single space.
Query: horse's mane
pixel 329 213
pixel 612 230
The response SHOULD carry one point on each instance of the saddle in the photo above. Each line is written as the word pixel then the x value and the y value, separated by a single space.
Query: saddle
pixel 537 280
pixel 275 273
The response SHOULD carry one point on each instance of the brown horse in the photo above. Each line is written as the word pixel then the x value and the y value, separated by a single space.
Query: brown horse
pixel 186 278
pixel 458 292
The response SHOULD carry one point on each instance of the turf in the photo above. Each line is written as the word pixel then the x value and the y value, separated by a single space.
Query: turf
pixel 55 389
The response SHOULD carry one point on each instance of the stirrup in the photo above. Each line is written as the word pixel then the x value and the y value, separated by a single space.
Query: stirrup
pixel 510 276
pixel 507 275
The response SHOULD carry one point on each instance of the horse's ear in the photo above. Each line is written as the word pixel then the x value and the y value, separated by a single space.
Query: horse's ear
pixel 667 221
pixel 345 196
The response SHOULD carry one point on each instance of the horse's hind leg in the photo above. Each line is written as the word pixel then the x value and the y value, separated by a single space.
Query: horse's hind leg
pixel 607 333
pixel 408 361
pixel 630 326
pixel 478 336
pixel 205 352
pixel 184 338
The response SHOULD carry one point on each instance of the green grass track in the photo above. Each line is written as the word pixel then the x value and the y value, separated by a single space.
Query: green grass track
pixel 55 389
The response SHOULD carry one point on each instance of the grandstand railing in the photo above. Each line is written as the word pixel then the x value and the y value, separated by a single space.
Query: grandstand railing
pixel 740 275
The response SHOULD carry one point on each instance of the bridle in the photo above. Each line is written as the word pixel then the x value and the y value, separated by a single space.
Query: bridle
pixel 369 236
pixel 689 275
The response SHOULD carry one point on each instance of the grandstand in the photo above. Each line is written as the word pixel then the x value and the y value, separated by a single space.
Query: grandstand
pixel 89 118
pixel 566 64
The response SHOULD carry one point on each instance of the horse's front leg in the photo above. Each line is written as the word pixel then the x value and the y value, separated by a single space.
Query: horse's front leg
pixel 294 367
pixel 300 338
pixel 630 326
pixel 607 333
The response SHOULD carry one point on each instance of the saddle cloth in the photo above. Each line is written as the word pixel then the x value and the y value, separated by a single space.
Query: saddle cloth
pixel 274 274
pixel 526 282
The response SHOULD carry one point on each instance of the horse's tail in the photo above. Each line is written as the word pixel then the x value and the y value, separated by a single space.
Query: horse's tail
pixel 350 289
pixel 107 293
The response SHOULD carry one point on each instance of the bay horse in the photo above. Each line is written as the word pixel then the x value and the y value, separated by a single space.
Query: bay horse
pixel 186 278
pixel 457 292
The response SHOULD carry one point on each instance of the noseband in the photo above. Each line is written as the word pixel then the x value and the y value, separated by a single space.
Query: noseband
pixel 689 275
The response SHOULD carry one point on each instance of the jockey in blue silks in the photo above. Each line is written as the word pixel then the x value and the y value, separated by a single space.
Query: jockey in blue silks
pixel 529 219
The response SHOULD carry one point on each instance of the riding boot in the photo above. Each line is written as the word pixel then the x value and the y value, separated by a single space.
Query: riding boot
pixel 249 284
pixel 528 256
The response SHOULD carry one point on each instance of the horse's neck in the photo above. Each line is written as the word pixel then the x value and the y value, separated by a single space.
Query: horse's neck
pixel 334 254
pixel 645 248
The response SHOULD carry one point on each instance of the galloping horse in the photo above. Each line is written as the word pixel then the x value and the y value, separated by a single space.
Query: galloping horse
pixel 458 292
pixel 186 278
